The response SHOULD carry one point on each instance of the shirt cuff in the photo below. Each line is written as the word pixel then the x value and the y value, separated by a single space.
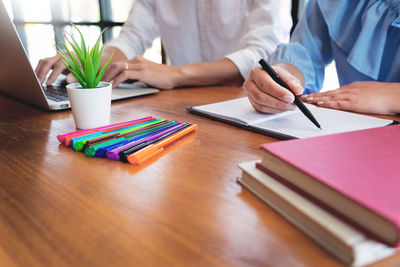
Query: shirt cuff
pixel 245 60
pixel 295 54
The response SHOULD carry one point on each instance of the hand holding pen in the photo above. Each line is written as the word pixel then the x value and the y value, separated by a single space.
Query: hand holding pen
pixel 275 90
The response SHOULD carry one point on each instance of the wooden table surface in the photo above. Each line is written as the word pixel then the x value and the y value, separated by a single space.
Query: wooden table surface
pixel 59 208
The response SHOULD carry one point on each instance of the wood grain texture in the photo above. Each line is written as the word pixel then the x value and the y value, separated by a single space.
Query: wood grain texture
pixel 59 208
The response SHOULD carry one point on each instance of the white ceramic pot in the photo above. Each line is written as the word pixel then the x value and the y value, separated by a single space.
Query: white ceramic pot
pixel 90 107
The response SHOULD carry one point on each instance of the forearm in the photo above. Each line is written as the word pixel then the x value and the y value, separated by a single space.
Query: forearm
pixel 221 72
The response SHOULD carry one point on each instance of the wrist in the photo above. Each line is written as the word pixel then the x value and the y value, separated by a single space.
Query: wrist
pixel 394 98
pixel 179 75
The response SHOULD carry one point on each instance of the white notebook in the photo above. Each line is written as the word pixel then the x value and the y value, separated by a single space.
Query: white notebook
pixel 341 240
pixel 289 124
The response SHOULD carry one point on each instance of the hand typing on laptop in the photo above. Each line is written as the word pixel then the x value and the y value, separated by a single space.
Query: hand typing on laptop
pixel 168 77
pixel 56 67
pixel 142 70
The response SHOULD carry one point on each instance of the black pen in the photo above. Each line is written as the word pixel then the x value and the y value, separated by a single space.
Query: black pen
pixel 297 100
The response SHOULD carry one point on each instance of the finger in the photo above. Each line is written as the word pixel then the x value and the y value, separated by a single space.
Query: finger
pixel 264 99
pixel 57 70
pixel 316 100
pixel 327 93
pixel 323 97
pixel 125 75
pixel 293 83
pixel 70 79
pixel 116 68
pixel 311 97
pixel 336 104
pixel 262 108
pixel 266 84
pixel 44 67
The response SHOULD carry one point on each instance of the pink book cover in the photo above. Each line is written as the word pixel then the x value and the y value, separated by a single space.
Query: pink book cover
pixel 362 165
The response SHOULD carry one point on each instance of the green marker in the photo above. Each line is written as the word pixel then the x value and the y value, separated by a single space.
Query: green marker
pixel 79 145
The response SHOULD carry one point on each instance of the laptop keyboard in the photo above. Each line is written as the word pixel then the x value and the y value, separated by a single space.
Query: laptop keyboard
pixel 56 93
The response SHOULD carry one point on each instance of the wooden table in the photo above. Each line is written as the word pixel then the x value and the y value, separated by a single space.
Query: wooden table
pixel 59 208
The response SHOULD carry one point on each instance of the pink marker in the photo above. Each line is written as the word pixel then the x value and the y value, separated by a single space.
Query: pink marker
pixel 66 138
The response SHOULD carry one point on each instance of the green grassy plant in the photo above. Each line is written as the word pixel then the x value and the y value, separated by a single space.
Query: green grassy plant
pixel 82 62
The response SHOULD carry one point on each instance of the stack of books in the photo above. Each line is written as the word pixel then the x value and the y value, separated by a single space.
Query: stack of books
pixel 341 190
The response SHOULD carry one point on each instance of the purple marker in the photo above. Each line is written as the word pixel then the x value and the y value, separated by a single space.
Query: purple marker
pixel 114 154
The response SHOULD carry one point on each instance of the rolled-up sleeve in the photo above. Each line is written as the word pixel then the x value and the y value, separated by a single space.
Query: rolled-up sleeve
pixel 268 24
pixel 139 31
pixel 309 48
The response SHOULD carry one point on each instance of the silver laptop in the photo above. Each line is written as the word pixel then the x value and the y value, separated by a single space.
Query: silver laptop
pixel 18 79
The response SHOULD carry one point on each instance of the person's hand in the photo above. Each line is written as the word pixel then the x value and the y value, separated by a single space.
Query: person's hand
pixel 55 65
pixel 269 97
pixel 365 97
pixel 142 70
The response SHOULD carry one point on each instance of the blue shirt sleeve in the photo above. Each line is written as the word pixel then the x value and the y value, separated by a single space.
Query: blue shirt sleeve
pixel 309 48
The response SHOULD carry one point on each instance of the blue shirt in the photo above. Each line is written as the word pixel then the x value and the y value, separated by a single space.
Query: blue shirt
pixel 363 37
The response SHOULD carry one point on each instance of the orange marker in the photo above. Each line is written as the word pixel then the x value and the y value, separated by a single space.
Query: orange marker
pixel 149 156
pixel 152 150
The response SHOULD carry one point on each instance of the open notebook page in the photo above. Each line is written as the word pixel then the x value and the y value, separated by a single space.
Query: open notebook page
pixel 239 110
pixel 292 123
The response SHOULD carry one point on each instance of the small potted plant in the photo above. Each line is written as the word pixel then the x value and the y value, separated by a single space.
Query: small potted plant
pixel 90 98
